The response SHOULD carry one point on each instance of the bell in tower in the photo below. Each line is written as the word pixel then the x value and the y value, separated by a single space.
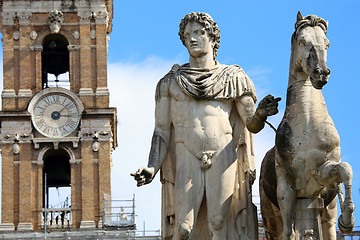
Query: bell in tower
pixel 54 57
pixel 57 130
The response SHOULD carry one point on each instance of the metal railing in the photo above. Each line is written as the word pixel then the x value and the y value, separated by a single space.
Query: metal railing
pixel 118 213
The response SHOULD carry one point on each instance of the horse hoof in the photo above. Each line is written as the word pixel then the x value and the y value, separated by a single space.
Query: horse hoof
pixel 343 228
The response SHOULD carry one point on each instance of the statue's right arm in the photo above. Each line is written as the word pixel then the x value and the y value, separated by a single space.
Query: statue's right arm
pixel 161 136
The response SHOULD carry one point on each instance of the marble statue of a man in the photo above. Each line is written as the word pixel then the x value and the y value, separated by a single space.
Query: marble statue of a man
pixel 202 143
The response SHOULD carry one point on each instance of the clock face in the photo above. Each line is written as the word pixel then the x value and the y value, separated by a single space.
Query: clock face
pixel 55 115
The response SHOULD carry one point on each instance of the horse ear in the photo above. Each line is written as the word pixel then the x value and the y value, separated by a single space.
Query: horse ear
pixel 299 16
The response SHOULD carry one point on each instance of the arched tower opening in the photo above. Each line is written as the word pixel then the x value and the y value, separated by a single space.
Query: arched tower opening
pixel 55 61
pixel 58 178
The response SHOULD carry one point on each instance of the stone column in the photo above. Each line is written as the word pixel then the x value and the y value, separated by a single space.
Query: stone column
pixel 8 93
pixel 25 93
pixel 87 179
pixel 105 168
pixel 37 49
pixel 102 92
pixel 25 188
pixel 17 172
pixel 7 187
pixel 308 220
pixel 39 191
pixel 74 71
pixel 85 93
pixel 76 199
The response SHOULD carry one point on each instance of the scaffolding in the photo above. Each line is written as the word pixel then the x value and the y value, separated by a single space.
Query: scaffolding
pixel 118 214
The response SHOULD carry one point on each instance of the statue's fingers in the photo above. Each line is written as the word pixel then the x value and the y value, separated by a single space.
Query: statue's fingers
pixel 273 112
pixel 278 99
pixel 141 181
pixel 138 176
pixel 272 104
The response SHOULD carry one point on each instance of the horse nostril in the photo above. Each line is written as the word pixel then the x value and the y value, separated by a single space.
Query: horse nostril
pixel 327 72
pixel 317 71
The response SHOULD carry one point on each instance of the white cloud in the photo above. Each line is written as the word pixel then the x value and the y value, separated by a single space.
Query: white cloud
pixel 132 91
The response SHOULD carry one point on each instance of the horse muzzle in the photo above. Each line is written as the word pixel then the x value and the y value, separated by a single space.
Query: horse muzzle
pixel 319 77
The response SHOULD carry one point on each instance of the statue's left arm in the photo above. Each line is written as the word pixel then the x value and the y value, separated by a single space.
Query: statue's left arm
pixel 255 118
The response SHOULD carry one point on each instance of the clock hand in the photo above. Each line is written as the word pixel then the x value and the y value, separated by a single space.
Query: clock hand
pixel 62 110
pixel 69 115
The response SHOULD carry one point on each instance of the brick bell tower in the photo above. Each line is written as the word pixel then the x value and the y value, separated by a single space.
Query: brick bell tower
pixel 61 127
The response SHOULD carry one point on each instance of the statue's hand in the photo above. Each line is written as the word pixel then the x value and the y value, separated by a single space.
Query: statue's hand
pixel 143 175
pixel 268 106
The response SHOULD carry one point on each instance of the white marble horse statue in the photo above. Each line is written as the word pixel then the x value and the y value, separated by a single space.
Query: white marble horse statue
pixel 305 162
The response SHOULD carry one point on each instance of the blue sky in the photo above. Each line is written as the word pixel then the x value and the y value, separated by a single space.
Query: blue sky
pixel 255 35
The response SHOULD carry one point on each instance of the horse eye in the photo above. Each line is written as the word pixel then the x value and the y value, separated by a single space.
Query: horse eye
pixel 327 44
pixel 302 43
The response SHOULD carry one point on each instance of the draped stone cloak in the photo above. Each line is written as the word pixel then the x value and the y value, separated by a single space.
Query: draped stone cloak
pixel 223 83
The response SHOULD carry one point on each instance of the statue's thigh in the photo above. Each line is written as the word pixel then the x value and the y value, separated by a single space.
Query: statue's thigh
pixel 219 181
pixel 189 184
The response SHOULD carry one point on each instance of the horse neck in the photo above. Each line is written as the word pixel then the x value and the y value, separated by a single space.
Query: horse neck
pixel 302 97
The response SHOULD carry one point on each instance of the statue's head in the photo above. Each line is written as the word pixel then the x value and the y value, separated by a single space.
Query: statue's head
pixel 309 49
pixel 209 24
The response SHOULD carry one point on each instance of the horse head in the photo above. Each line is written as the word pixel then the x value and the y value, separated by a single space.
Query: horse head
pixel 309 49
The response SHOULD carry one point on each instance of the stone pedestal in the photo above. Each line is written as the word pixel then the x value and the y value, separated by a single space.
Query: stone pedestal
pixel 25 227
pixel 4 227
pixel 87 224
pixel 308 220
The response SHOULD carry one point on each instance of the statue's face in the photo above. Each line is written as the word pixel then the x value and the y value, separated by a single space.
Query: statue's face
pixel 197 40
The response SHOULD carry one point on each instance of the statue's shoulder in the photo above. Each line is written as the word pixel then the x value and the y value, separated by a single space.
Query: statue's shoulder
pixel 239 72
pixel 241 80
pixel 163 86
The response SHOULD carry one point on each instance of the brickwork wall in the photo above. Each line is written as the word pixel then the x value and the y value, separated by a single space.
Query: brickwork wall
pixel 22 174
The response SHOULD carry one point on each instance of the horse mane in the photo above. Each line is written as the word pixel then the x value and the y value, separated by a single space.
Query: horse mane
pixel 309 21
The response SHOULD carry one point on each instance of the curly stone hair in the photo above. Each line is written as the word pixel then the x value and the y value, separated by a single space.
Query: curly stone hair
pixel 210 26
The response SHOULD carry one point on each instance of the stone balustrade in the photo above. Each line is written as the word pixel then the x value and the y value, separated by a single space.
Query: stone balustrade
pixel 57 218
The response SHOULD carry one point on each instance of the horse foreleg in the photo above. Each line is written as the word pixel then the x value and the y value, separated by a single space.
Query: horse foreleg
pixel 328 221
pixel 286 196
pixel 346 219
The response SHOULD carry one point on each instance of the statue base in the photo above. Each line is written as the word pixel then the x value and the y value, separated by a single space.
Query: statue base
pixel 308 220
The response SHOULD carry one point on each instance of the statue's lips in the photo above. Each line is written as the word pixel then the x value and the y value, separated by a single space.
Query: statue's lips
pixel 194 45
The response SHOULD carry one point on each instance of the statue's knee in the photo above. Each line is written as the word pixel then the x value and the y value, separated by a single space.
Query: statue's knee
pixel 217 222
pixel 184 229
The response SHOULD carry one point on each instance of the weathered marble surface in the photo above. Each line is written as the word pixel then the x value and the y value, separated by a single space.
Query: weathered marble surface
pixel 301 175
pixel 205 114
